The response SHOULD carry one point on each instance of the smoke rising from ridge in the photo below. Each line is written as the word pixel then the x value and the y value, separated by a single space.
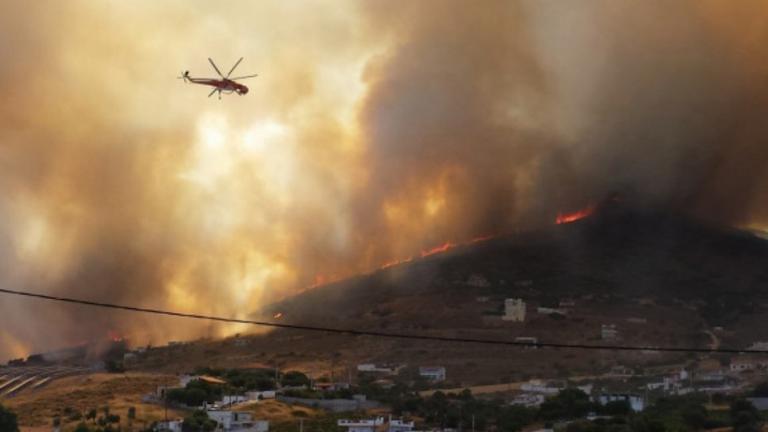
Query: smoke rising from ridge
pixel 383 131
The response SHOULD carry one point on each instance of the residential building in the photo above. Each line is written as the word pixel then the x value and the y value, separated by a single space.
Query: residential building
pixel 233 421
pixel 539 386
pixel 387 369
pixel 169 426
pixel 259 395
pixel 551 311
pixel 514 310
pixel 363 425
pixel 433 373
pixel 376 424
pixel 478 281
pixel 609 332
pixel 529 400
pixel 529 340
pixel 636 403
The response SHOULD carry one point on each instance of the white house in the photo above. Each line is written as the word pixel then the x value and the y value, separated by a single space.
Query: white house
pixel 609 332
pixel 259 395
pixel 237 421
pixel 528 400
pixel 361 425
pixel 384 369
pixel 400 426
pixel 433 373
pixel 169 426
pixel 514 310
pixel 636 403
pixel 551 311
pixel 529 340
pixel 479 281
pixel 539 386
pixel 371 425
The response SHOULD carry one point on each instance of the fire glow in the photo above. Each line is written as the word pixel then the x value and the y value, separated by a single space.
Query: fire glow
pixel 564 218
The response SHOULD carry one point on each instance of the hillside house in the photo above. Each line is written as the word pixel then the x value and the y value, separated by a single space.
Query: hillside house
pixel 609 332
pixel 386 369
pixel 478 281
pixel 551 311
pixel 169 426
pixel 539 386
pixel 326 386
pixel 529 400
pixel 636 402
pixel 363 425
pixel 260 395
pixel 233 421
pixel 432 373
pixel 747 363
pixel 376 424
pixel 529 340
pixel 514 310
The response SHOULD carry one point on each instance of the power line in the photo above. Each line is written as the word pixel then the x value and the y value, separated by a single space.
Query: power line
pixel 377 333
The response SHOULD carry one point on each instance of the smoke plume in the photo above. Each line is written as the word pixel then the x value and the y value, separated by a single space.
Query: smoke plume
pixel 372 132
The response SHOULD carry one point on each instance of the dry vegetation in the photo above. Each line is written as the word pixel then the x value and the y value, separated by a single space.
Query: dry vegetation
pixel 82 393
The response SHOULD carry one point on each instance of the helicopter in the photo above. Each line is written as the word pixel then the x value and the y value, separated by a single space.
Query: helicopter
pixel 224 85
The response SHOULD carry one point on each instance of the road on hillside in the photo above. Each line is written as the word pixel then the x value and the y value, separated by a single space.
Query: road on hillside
pixel 494 388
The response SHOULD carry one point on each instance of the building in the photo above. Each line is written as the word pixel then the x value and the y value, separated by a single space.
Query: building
pixel 363 425
pixel 529 400
pixel 259 395
pixel 636 403
pixel 551 311
pixel 539 386
pixel 609 332
pixel 237 421
pixel 399 426
pixel 169 426
pixel 386 369
pixel 758 346
pixel 376 424
pixel 514 310
pixel 528 340
pixel 432 373
pixel 478 281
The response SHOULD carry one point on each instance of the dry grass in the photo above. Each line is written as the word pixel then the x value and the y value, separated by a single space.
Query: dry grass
pixel 82 393
pixel 279 412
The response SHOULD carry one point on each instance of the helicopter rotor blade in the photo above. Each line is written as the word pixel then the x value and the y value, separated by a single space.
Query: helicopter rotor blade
pixel 233 67
pixel 215 68
pixel 244 77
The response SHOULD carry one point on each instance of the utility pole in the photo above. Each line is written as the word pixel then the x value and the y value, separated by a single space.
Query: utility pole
pixel 473 423
pixel 301 425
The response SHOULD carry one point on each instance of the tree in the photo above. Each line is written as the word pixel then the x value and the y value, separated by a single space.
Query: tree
pixel 131 414
pixel 91 415
pixel 744 416
pixel 568 404
pixel 295 378
pixel 617 408
pixel 8 422
pixel 82 427
pixel 198 421
pixel 761 390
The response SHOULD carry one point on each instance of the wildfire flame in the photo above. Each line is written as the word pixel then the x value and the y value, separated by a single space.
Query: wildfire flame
pixel 438 249
pixel 564 218
pixel 395 262
pixel 114 336
pixel 277 315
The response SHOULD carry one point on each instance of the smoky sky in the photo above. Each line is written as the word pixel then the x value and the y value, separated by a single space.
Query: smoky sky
pixel 386 128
